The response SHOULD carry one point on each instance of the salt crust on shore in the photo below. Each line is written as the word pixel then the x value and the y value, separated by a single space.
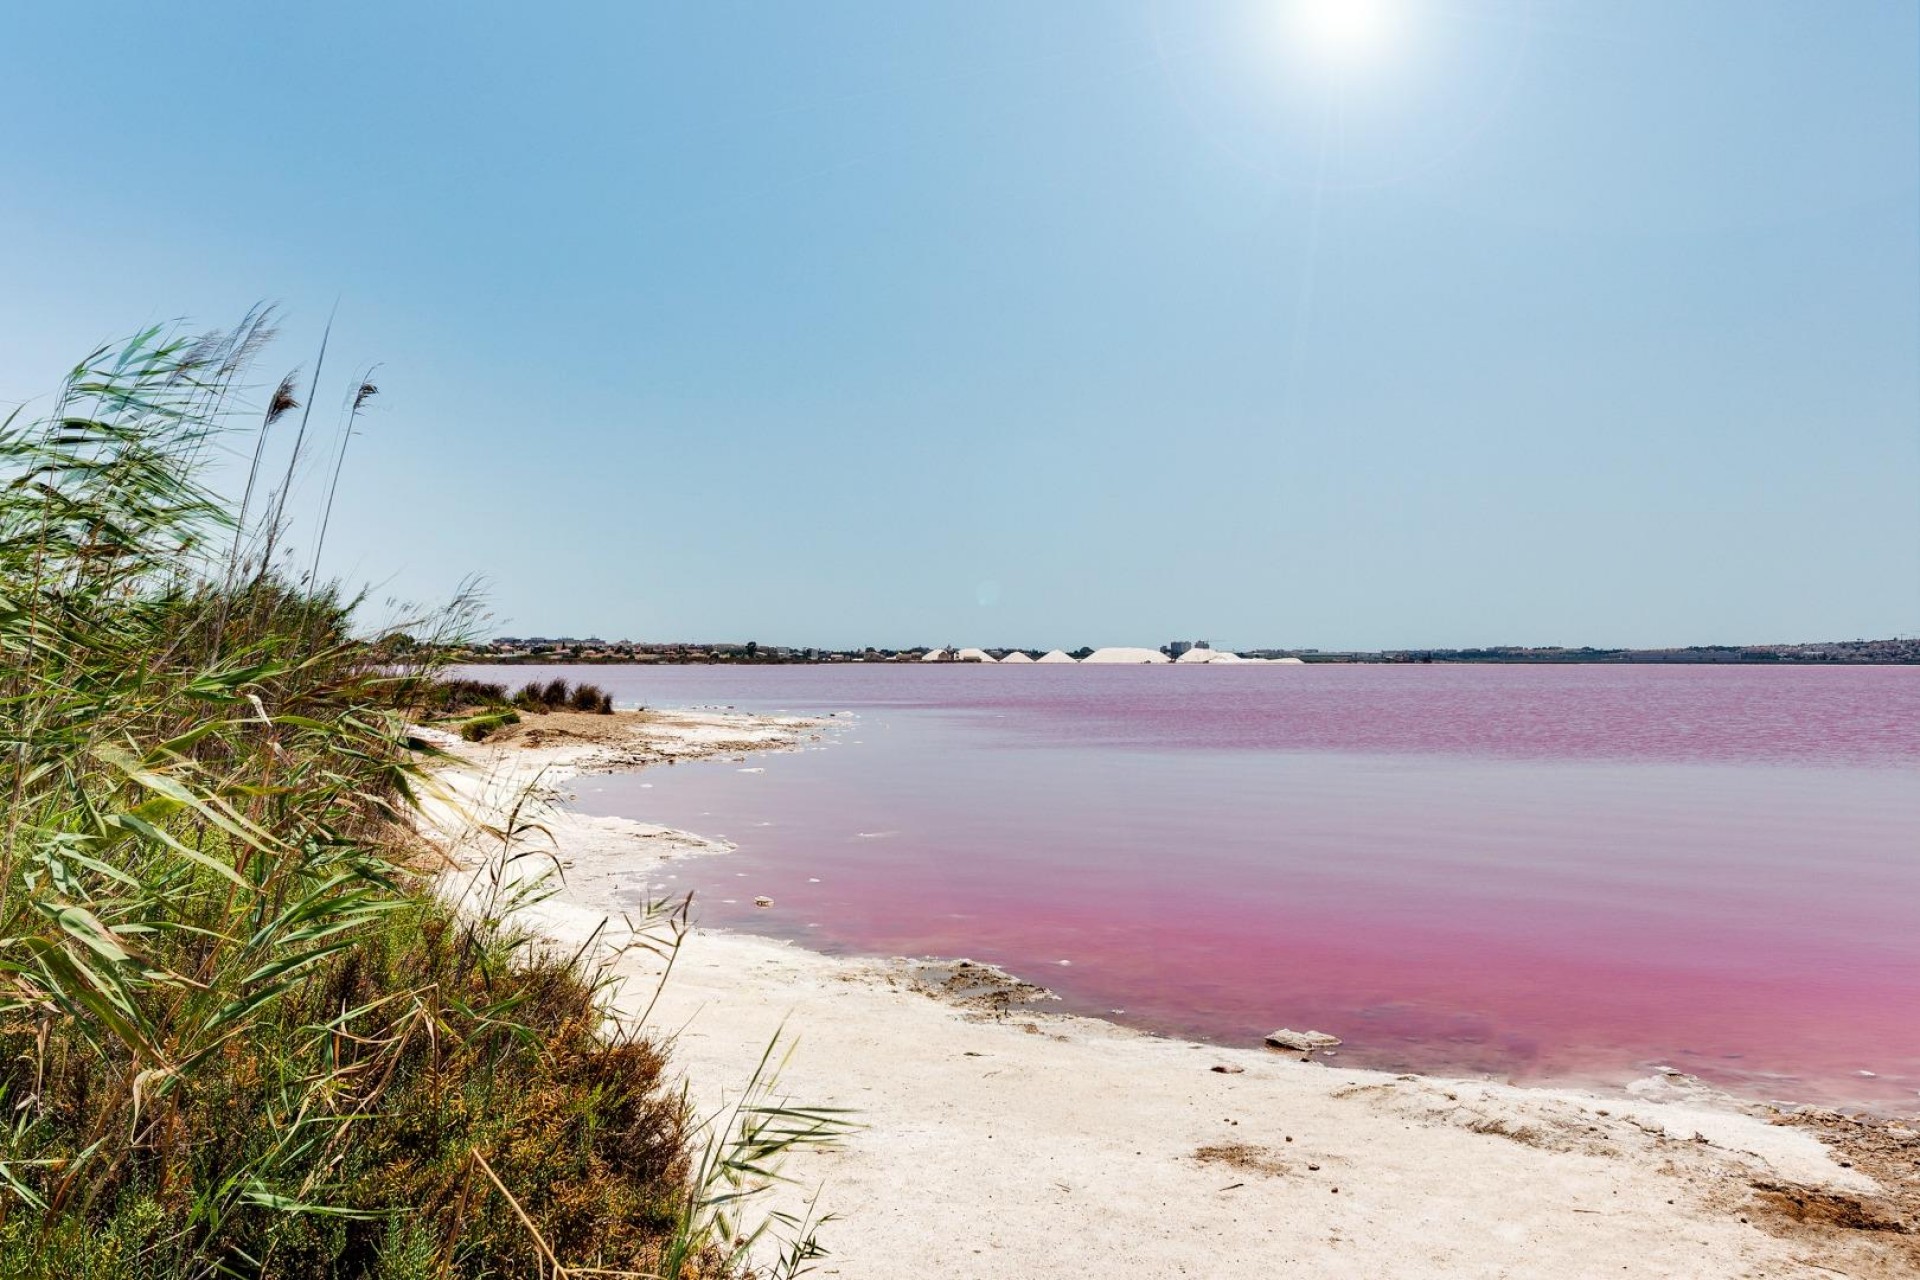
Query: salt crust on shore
pixel 1002 1141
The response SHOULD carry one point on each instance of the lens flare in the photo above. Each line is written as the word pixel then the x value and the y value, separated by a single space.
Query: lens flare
pixel 1344 34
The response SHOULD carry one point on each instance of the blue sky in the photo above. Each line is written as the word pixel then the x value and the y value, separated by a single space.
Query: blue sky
pixel 1006 323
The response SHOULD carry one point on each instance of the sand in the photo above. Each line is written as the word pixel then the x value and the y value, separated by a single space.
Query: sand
pixel 1000 1140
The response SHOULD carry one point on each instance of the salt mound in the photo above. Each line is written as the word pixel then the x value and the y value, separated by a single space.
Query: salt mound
pixel 1212 655
pixel 1121 655
pixel 1015 657
pixel 1053 655
pixel 974 655
pixel 1292 662
pixel 938 655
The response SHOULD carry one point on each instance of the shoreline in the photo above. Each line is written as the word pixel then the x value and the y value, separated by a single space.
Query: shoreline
pixel 1137 1154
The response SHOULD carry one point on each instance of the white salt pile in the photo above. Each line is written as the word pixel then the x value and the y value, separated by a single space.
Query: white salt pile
pixel 1015 658
pixel 974 655
pixel 1053 655
pixel 1120 654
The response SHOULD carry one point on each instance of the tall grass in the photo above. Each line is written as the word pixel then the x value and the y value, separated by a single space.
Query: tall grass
pixel 237 1037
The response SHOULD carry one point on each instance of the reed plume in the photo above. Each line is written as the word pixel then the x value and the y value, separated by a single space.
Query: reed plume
pixel 363 393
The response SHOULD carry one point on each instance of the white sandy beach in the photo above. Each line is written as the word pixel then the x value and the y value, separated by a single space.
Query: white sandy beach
pixel 999 1140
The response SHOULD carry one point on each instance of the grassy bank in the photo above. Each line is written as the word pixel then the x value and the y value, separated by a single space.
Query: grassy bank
pixel 236 1034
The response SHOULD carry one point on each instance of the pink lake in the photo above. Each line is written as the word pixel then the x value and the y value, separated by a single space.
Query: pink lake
pixel 1539 873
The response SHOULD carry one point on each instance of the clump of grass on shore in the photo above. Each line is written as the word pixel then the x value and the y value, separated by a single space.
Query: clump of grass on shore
pixel 237 1036
pixel 446 694
pixel 556 695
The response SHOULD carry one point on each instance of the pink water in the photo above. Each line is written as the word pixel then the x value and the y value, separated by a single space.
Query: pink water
pixel 1539 873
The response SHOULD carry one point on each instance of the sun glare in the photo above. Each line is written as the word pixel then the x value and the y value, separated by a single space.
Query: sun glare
pixel 1343 34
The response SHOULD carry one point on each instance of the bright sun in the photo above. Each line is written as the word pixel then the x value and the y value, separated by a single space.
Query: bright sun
pixel 1344 33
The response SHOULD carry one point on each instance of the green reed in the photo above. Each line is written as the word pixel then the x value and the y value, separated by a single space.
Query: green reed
pixel 238 1033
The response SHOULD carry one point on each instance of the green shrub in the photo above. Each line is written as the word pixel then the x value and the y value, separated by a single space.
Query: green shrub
pixel 476 728
pixel 591 698
pixel 236 1035
pixel 444 695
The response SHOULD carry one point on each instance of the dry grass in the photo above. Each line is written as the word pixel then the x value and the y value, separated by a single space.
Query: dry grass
pixel 1524 1134
pixel 1244 1157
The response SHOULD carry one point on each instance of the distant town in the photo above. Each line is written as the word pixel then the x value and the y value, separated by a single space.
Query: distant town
pixel 593 649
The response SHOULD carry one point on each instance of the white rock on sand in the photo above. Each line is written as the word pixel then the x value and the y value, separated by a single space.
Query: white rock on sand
pixel 1120 654
pixel 1012 1143
pixel 1054 655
